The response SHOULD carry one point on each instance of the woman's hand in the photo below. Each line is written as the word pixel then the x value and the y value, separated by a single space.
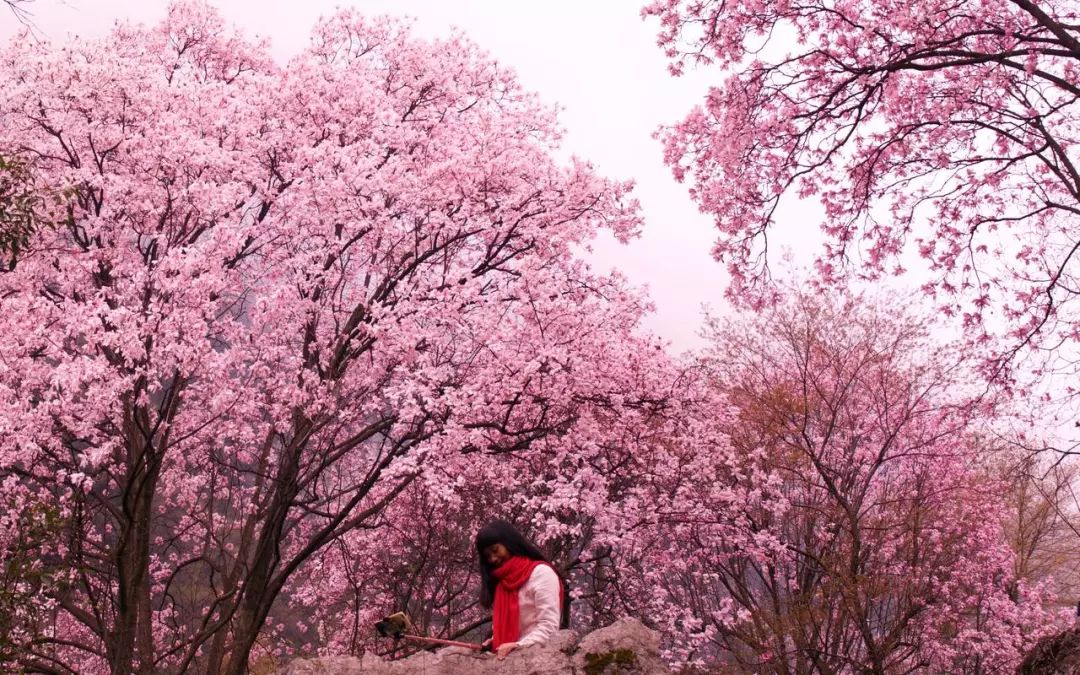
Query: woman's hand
pixel 486 644
pixel 504 649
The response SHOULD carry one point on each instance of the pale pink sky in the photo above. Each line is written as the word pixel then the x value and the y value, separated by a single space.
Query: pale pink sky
pixel 595 58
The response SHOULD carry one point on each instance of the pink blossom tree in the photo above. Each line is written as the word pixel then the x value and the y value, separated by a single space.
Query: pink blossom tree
pixel 892 552
pixel 279 299
pixel 946 129
pixel 812 498
pixel 659 464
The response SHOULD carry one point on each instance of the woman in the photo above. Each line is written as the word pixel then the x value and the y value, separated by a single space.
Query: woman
pixel 525 593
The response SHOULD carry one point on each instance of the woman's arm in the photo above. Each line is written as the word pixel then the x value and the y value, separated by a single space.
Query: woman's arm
pixel 546 591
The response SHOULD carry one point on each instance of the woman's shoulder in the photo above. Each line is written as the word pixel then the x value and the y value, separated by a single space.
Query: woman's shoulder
pixel 543 573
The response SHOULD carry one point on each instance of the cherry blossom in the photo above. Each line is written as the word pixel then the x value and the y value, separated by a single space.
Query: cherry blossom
pixel 280 296
pixel 938 136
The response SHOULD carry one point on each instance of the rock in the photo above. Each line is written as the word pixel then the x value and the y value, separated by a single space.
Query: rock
pixel 626 647
pixel 335 665
pixel 1055 655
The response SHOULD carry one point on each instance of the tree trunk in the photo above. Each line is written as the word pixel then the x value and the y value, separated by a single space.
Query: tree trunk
pixel 132 642
pixel 258 593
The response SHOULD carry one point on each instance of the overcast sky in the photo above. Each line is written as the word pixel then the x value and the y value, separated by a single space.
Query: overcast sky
pixel 595 58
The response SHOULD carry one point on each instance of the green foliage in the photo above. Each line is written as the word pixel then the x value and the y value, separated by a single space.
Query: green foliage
pixel 25 577
pixel 24 208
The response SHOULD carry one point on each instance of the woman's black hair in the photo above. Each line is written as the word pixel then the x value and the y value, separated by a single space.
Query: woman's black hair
pixel 502 532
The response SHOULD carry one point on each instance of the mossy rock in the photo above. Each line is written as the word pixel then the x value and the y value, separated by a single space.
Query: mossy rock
pixel 621 659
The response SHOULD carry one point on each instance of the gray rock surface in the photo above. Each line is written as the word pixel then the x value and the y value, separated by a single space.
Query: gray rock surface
pixel 625 647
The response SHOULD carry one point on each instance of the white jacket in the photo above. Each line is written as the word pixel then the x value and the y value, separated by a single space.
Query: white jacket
pixel 538 605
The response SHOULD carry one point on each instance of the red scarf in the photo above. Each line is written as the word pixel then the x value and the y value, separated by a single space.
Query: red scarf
pixel 506 612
